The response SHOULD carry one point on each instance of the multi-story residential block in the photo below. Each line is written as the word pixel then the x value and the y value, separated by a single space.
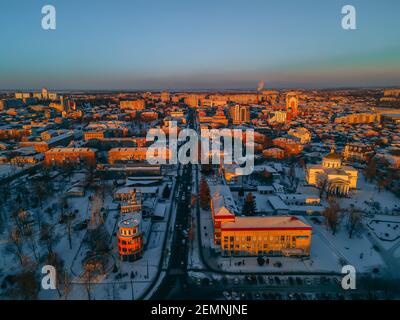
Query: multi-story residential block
pixel 240 114
pixel 133 104
pixel 63 156
pixel 357 152
pixel 290 146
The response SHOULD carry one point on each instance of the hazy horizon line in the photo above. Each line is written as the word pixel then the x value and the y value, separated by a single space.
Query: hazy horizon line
pixel 253 90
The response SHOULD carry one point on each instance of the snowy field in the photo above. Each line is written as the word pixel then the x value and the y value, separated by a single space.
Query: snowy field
pixel 123 280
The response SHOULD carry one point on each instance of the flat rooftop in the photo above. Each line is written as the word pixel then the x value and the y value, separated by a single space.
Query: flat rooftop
pixel 266 223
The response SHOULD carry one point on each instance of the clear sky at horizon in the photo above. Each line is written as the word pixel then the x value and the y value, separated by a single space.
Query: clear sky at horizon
pixel 198 44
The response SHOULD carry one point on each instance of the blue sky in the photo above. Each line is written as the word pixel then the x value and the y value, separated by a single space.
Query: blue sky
pixel 198 44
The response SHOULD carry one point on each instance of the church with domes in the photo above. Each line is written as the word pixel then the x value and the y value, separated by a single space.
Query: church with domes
pixel 336 178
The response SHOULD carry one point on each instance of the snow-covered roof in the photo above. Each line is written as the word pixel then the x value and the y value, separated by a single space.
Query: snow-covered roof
pixel 266 223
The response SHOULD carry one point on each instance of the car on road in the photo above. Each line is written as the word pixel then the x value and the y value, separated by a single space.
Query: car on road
pixel 235 295
pixel 308 281
pixel 227 295
pixel 236 281
pixel 257 296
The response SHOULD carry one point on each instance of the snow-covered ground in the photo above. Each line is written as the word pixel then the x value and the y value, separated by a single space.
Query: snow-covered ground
pixel 123 280
pixel 385 228
pixel 328 252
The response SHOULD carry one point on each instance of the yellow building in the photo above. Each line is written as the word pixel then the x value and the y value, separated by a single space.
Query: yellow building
pixel 254 236
pixel 332 175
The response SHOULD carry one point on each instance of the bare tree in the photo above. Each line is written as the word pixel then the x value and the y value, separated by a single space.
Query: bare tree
pixel 87 277
pixel 69 218
pixel 15 246
pixel 332 215
pixel 322 185
pixel 370 170
pixel 26 285
pixel 67 284
pixel 41 191
pixel 47 236
pixel 383 182
pixel 354 221
pixel 204 194
pixel 31 242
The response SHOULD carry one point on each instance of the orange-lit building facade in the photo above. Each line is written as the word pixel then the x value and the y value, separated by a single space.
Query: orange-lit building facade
pixel 63 156
pixel 130 240
pixel 133 104
pixel 255 236
pixel 290 146
pixel 273 153
pixel 357 118
pixel 292 105
pixel 131 202
pixel 126 154
pixel 89 135
pixel 240 114
pixel 133 154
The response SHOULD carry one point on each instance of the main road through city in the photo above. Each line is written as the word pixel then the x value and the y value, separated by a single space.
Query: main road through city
pixel 175 286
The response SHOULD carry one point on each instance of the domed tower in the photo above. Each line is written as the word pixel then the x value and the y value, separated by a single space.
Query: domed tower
pixel 332 160
pixel 130 241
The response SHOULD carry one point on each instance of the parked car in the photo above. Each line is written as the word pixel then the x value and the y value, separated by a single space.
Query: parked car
pixel 227 295
pixel 235 295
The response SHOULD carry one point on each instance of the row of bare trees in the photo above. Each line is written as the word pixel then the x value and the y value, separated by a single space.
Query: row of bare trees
pixel 334 215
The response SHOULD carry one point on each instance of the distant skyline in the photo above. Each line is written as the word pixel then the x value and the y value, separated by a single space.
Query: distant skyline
pixel 193 45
